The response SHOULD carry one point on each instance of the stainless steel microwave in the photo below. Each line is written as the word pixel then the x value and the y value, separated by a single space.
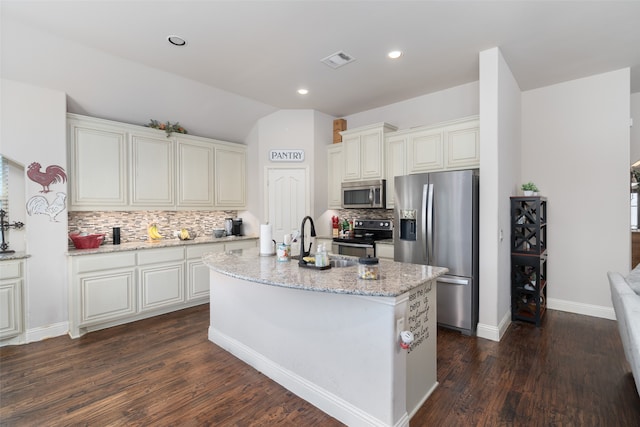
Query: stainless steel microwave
pixel 364 194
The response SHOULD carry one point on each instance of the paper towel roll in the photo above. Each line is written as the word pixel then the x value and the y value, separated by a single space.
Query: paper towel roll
pixel 287 239
pixel 266 241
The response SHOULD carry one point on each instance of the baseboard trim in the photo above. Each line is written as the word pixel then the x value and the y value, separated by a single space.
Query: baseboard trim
pixel 43 332
pixel 581 308
pixel 494 333
pixel 317 396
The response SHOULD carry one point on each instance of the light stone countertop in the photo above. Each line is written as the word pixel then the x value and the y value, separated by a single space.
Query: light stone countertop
pixel 164 243
pixel 13 255
pixel 396 278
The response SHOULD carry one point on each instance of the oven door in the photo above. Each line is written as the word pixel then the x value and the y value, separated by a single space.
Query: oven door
pixel 353 249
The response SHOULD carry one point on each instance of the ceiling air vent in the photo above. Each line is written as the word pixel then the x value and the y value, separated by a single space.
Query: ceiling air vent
pixel 338 59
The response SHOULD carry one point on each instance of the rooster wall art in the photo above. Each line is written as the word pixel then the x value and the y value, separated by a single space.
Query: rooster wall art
pixel 39 205
pixel 53 174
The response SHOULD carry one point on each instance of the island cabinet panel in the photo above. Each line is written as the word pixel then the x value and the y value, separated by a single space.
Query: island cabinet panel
pixel 323 334
pixel 11 307
pixel 152 173
pixel 97 169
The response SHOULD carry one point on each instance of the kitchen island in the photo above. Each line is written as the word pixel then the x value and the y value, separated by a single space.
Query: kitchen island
pixel 327 336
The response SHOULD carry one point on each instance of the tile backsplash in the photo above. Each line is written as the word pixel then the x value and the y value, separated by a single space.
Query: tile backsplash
pixel 133 224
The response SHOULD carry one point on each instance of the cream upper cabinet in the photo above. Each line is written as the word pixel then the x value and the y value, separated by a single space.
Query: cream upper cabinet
pixel 230 176
pixel 425 151
pixel 463 145
pixel 98 159
pixel 363 153
pixel 334 177
pixel 396 163
pixel 152 170
pixel 194 184
pixel 118 166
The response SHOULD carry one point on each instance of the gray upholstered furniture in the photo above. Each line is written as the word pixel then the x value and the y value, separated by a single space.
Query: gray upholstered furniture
pixel 625 295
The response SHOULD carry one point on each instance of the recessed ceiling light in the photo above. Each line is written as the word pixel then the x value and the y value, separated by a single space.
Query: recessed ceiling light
pixel 303 91
pixel 176 40
pixel 395 54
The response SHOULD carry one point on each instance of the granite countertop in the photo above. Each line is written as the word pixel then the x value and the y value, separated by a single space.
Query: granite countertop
pixel 13 255
pixel 164 243
pixel 396 278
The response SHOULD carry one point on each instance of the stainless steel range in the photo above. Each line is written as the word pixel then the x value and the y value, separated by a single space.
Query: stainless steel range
pixel 366 233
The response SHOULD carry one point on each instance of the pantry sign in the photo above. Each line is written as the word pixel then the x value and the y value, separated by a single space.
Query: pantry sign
pixel 286 155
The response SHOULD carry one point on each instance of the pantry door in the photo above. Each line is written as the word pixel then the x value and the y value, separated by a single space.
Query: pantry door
pixel 288 199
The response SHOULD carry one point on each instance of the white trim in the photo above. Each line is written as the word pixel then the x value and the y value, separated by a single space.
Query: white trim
pixel 43 332
pixel 494 333
pixel 317 396
pixel 581 308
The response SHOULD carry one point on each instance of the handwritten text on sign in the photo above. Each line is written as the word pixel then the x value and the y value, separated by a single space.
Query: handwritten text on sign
pixel 419 315
pixel 286 155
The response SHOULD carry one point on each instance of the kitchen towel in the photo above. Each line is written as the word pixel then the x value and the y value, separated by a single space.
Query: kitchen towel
pixel 267 247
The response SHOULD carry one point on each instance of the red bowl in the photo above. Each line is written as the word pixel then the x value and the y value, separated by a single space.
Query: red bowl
pixel 88 241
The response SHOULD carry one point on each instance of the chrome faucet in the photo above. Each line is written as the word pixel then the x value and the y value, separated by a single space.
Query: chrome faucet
pixel 313 234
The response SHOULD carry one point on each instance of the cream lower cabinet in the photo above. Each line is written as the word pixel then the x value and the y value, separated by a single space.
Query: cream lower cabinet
pixel 11 308
pixel 103 290
pixel 197 271
pixel 115 288
pixel 161 278
pixel 384 250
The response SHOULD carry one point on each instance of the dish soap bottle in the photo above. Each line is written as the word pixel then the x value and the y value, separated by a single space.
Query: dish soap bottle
pixel 321 256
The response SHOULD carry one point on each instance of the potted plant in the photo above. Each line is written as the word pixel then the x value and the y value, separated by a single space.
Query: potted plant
pixel 529 188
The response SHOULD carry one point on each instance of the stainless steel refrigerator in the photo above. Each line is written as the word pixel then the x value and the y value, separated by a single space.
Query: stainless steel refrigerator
pixel 436 223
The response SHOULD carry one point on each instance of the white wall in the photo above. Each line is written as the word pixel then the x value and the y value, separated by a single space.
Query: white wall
pixel 34 130
pixel 575 147
pixel 635 130
pixel 449 104
pixel 106 86
pixel 500 149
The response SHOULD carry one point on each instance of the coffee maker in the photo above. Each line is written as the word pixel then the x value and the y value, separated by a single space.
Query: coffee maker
pixel 236 228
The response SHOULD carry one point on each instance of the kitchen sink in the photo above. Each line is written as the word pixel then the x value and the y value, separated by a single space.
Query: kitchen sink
pixel 340 263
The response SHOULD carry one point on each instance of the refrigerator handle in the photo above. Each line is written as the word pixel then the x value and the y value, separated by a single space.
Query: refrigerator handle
pixel 430 224
pixel 423 227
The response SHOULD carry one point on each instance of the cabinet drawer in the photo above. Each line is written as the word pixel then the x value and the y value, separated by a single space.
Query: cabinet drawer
pixel 198 250
pixel 154 256
pixel 10 269
pixel 243 244
pixel 87 263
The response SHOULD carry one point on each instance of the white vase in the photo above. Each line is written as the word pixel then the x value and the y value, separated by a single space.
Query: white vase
pixel 528 193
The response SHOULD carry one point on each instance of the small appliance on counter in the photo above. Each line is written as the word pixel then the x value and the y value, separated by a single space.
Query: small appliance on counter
pixel 236 228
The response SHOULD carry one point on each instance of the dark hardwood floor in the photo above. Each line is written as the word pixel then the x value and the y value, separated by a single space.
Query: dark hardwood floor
pixel 164 371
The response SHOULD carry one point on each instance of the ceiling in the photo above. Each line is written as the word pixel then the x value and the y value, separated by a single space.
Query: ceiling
pixel 266 50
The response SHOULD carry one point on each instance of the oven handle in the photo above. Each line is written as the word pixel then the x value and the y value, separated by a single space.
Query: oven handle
pixel 353 245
